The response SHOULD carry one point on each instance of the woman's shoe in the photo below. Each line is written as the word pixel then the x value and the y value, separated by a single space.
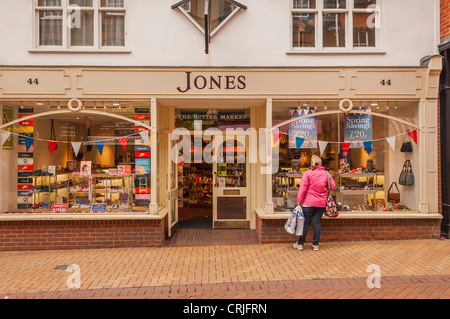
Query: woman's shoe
pixel 315 248
pixel 298 246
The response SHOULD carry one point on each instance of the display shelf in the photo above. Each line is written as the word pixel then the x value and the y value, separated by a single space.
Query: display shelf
pixel 285 189
pixel 358 187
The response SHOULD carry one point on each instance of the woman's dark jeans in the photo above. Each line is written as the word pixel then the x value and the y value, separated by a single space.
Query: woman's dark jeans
pixel 314 215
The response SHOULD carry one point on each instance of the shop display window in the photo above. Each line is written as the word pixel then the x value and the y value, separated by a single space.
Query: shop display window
pixel 362 151
pixel 87 163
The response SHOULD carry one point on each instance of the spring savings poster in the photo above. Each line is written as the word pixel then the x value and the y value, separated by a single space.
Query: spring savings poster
pixel 357 129
pixel 305 128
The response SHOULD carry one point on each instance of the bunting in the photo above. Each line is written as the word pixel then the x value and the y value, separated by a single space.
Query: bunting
pixel 144 135
pixel 391 141
pixel 413 135
pixel 322 146
pixel 28 142
pixel 345 147
pixel 76 147
pixel 368 146
pixel 123 141
pixel 52 146
pixel 299 141
pixel 5 136
pixel 100 145
pixel 276 136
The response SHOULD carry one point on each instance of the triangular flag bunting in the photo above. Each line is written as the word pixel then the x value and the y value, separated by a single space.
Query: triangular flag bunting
pixel 100 145
pixel 276 136
pixel 345 147
pixel 144 135
pixel 413 135
pixel 368 146
pixel 355 143
pixel 123 141
pixel 299 141
pixel 76 147
pixel 322 146
pixel 5 136
pixel 28 142
pixel 52 146
pixel 391 141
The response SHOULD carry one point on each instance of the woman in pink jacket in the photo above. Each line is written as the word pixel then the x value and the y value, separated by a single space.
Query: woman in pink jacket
pixel 313 195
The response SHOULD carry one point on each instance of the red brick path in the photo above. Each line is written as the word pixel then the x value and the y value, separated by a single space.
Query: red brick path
pixel 409 269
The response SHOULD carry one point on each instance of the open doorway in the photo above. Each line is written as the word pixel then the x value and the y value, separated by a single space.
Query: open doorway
pixel 195 195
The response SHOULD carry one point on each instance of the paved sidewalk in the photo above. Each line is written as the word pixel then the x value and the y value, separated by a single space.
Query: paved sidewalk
pixel 409 269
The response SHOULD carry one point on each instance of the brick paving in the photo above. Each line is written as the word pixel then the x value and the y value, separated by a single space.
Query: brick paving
pixel 409 269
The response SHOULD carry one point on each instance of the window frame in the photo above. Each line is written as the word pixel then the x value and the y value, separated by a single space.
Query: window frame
pixel 349 12
pixel 65 8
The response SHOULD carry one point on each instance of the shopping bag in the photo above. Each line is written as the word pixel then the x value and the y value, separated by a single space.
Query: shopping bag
pixel 300 221
pixel 291 223
pixel 331 209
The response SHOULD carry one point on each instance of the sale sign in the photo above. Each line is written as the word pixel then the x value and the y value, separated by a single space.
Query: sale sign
pixel 59 208
pixel 305 128
pixel 357 129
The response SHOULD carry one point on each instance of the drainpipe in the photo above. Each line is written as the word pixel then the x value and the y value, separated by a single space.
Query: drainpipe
pixel 444 95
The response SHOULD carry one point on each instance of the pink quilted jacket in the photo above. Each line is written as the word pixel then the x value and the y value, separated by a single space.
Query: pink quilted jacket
pixel 314 187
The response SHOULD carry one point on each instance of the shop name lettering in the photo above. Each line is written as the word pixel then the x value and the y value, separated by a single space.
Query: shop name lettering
pixel 200 82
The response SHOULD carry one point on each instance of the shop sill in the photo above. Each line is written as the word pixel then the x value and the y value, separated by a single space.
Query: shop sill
pixel 362 215
pixel 87 216
pixel 344 52
pixel 77 51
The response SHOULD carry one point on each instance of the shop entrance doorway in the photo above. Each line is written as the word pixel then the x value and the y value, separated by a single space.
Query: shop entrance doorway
pixel 208 181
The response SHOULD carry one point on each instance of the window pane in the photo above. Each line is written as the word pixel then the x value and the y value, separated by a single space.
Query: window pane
pixel 334 30
pixel 113 28
pixel 363 30
pixel 112 3
pixel 334 4
pixel 304 4
pixel 364 4
pixel 304 30
pixel 82 31
pixel 49 3
pixel 81 3
pixel 50 28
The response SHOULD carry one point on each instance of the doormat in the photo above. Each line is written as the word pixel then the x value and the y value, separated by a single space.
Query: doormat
pixel 202 222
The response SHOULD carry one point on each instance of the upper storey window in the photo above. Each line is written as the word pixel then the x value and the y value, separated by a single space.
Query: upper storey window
pixel 84 24
pixel 338 24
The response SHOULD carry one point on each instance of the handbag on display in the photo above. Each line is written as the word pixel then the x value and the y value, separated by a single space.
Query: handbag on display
pixel 406 146
pixel 394 197
pixel 406 176
pixel 331 209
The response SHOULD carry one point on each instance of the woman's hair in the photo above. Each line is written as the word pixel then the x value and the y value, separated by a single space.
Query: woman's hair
pixel 315 161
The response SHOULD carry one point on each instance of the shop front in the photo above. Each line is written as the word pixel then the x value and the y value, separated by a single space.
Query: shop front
pixel 115 157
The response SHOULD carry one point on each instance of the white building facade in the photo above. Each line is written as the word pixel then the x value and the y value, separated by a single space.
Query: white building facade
pixel 261 67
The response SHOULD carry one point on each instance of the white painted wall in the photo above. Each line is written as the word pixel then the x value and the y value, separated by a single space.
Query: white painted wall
pixel 259 36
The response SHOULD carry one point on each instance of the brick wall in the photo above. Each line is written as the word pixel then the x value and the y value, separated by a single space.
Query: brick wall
pixel 81 234
pixel 445 19
pixel 272 230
